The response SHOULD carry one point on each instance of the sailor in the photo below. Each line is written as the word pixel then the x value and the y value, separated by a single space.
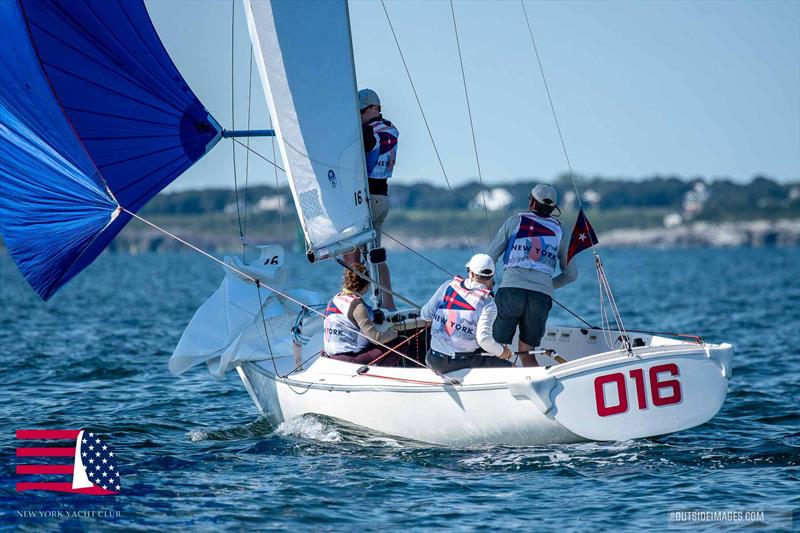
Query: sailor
pixel 350 328
pixel 462 312
pixel 531 245
pixel 380 149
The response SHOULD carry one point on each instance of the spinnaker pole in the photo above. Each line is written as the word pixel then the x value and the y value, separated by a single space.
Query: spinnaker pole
pixel 227 134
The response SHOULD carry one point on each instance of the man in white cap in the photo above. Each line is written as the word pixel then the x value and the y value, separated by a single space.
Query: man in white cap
pixel 462 312
pixel 380 149
pixel 531 245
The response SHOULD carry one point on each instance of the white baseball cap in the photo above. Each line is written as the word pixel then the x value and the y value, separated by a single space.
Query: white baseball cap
pixel 545 194
pixel 367 97
pixel 481 264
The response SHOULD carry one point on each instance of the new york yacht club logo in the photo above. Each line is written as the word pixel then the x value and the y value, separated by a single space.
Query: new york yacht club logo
pixel 74 461
pixel 332 178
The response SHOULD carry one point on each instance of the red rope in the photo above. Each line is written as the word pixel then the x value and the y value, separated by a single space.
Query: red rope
pixel 384 354
pixel 406 380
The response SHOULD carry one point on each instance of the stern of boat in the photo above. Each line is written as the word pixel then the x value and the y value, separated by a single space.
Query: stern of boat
pixel 619 396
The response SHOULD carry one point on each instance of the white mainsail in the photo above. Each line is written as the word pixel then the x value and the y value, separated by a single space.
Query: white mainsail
pixel 304 54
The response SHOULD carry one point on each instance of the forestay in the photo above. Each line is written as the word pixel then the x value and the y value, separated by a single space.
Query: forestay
pixel 304 54
pixel 240 322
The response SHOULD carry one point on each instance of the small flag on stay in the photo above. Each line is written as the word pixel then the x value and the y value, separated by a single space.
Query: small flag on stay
pixel 583 236
pixel 67 460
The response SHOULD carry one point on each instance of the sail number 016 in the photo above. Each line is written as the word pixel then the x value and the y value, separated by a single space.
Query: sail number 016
pixel 663 391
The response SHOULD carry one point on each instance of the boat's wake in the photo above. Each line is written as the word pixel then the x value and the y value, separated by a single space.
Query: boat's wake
pixel 259 428
pixel 307 428
pixel 310 427
pixel 561 455
pixel 315 434
pixel 324 429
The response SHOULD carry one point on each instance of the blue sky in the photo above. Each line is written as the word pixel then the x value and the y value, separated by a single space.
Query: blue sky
pixel 690 88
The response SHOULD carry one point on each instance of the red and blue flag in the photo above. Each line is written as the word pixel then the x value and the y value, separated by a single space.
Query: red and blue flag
pixel 583 236
pixel 528 227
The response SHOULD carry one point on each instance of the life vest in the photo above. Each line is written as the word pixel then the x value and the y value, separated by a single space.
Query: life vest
pixel 455 322
pixel 534 244
pixel 341 334
pixel 381 159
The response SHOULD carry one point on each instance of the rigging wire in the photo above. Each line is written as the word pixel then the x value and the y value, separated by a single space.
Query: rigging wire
pixel 433 263
pixel 418 254
pixel 471 125
pixel 605 324
pixel 605 327
pixel 247 153
pixel 302 363
pixel 424 118
pixel 240 143
pixel 277 188
pixel 602 278
pixel 405 341
pixel 613 304
pixel 552 106
pixel 233 121
pixel 378 285
pixel 264 323
pixel 260 284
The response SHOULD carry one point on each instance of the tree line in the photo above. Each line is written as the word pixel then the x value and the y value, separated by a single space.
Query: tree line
pixel 714 200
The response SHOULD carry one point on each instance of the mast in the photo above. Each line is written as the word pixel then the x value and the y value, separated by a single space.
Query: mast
pixel 374 256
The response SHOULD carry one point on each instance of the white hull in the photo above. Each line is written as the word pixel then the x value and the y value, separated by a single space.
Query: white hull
pixel 594 396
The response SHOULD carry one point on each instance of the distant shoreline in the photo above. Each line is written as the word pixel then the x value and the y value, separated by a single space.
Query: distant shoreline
pixel 755 233
pixel 782 232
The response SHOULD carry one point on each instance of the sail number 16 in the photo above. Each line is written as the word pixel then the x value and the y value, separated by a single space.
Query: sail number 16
pixel 663 391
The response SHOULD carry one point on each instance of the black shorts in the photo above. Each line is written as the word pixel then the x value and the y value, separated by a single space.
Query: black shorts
pixel 443 363
pixel 523 308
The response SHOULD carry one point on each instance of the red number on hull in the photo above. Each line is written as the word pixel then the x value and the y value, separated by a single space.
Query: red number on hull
pixel 637 375
pixel 673 384
pixel 600 397
pixel 641 396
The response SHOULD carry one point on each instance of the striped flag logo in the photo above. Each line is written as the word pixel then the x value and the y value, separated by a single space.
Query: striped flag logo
pixel 71 460
pixel 530 228
pixel 453 300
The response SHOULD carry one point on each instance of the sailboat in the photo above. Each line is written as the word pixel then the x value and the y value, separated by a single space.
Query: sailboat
pixel 91 129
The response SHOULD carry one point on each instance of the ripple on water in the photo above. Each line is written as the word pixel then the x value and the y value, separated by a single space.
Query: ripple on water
pixel 195 455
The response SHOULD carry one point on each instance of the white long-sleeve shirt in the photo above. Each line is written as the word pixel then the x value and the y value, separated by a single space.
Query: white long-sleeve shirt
pixel 526 278
pixel 485 320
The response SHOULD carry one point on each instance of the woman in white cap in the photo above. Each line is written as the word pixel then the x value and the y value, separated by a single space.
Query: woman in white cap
pixel 462 312
pixel 532 246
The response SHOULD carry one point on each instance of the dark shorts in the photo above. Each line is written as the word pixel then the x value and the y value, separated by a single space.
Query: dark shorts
pixel 523 308
pixel 443 363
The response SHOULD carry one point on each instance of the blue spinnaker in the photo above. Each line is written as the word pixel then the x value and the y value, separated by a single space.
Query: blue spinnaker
pixel 94 116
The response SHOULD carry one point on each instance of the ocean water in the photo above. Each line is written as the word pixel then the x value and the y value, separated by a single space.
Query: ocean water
pixel 194 454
